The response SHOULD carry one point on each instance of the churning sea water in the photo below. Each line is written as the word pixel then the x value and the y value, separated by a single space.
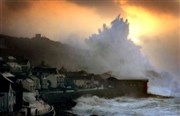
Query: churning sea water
pixel 124 106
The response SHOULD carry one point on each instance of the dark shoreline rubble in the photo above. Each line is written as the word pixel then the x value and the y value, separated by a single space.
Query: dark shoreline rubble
pixel 62 107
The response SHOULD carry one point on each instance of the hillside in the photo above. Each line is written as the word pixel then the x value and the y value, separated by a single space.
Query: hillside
pixel 38 49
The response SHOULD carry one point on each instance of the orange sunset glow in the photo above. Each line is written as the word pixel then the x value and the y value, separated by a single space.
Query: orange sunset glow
pixel 90 57
pixel 150 22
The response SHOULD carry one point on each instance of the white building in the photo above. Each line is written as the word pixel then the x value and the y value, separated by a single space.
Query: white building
pixel 28 84
pixel 7 95
pixel 14 67
pixel 36 81
pixel 56 80
pixel 44 83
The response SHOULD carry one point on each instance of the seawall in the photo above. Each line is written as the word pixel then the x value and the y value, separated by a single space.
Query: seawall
pixel 52 97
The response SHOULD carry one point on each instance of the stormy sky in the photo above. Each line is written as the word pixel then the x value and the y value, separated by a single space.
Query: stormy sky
pixel 154 25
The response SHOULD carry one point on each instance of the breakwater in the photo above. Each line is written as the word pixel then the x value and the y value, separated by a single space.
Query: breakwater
pixel 52 97
pixel 63 101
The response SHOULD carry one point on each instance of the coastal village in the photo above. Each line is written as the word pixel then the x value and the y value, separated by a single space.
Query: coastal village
pixel 68 58
pixel 28 88
pixel 21 85
pixel 20 81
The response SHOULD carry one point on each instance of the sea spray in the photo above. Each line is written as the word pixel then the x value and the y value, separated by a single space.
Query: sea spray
pixel 124 106
pixel 111 51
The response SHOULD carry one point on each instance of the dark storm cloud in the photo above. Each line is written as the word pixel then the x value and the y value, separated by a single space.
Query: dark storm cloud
pixel 17 5
pixel 108 8
pixel 160 6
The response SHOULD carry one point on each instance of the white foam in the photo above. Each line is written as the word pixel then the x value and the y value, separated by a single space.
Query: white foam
pixel 123 106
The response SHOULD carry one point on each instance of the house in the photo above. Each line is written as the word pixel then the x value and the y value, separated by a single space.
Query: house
pixel 104 77
pixel 42 73
pixel 77 79
pixel 28 84
pixel 82 79
pixel 13 65
pixel 94 81
pixel 16 84
pixel 7 95
pixel 112 82
pixel 38 36
pixel 36 81
pixel 44 82
pixel 25 65
pixel 56 80
pixel 11 93
pixel 79 82
pixel 49 77
pixel 130 86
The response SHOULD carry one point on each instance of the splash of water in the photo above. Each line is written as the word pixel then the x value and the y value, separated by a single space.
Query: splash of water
pixel 111 50
pixel 123 106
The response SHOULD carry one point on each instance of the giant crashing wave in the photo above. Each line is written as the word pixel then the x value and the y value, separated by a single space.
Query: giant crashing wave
pixel 111 51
